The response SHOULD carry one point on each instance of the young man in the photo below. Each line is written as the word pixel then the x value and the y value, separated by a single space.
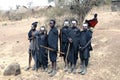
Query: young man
pixel 53 43
pixel 92 22
pixel 85 41
pixel 73 51
pixel 34 45
pixel 64 42
pixel 43 54
pixel 30 38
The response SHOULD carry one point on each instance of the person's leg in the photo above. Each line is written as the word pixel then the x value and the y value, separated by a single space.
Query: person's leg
pixel 54 57
pixel 71 58
pixel 35 60
pixel 75 61
pixel 54 66
pixel 81 60
pixel 45 62
pixel 70 68
pixel 74 68
pixel 66 57
pixel 66 66
pixel 84 68
pixel 37 65
pixel 29 60
pixel 81 70
pixel 86 62
pixel 51 69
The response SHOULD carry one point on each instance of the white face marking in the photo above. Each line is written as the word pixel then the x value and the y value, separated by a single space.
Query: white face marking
pixel 42 28
pixel 66 23
pixel 85 25
pixel 73 22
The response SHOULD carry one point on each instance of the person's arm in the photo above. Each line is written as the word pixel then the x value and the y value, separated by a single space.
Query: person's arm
pixel 89 36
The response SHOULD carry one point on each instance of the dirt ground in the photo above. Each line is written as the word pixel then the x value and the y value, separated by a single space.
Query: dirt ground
pixel 104 60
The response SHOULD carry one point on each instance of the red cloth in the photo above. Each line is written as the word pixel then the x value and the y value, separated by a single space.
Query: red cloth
pixel 92 23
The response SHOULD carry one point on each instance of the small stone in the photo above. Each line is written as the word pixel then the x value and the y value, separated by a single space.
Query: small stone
pixel 17 41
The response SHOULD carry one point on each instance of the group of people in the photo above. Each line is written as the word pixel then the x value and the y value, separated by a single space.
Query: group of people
pixel 72 41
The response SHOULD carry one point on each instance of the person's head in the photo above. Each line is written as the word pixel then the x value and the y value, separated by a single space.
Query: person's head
pixel 95 15
pixel 34 25
pixel 74 23
pixel 85 26
pixel 42 29
pixel 66 23
pixel 86 21
pixel 52 23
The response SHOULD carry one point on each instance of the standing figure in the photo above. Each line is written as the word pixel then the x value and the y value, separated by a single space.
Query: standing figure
pixel 30 38
pixel 43 54
pixel 85 41
pixel 53 43
pixel 64 42
pixel 92 22
pixel 73 51
pixel 34 45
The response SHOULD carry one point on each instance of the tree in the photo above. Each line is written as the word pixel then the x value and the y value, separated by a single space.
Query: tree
pixel 81 8
pixel 17 6
pixel 49 1
pixel 30 4
pixel 56 2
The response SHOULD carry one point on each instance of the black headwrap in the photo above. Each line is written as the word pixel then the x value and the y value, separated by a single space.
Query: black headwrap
pixel 35 24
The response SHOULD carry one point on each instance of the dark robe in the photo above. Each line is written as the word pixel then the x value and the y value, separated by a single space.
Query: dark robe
pixel 34 47
pixel 64 40
pixel 53 43
pixel 85 37
pixel 73 53
pixel 43 54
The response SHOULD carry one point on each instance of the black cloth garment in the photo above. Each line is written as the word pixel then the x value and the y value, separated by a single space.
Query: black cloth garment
pixel 84 38
pixel 64 40
pixel 53 43
pixel 43 54
pixel 34 47
pixel 74 46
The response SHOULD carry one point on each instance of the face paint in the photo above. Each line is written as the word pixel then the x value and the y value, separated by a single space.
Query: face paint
pixel 85 26
pixel 42 28
pixel 73 22
pixel 66 23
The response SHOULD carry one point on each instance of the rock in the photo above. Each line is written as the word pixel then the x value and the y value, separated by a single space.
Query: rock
pixel 12 69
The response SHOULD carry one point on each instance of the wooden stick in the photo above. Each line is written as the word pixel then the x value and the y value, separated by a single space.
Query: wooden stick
pixel 50 49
